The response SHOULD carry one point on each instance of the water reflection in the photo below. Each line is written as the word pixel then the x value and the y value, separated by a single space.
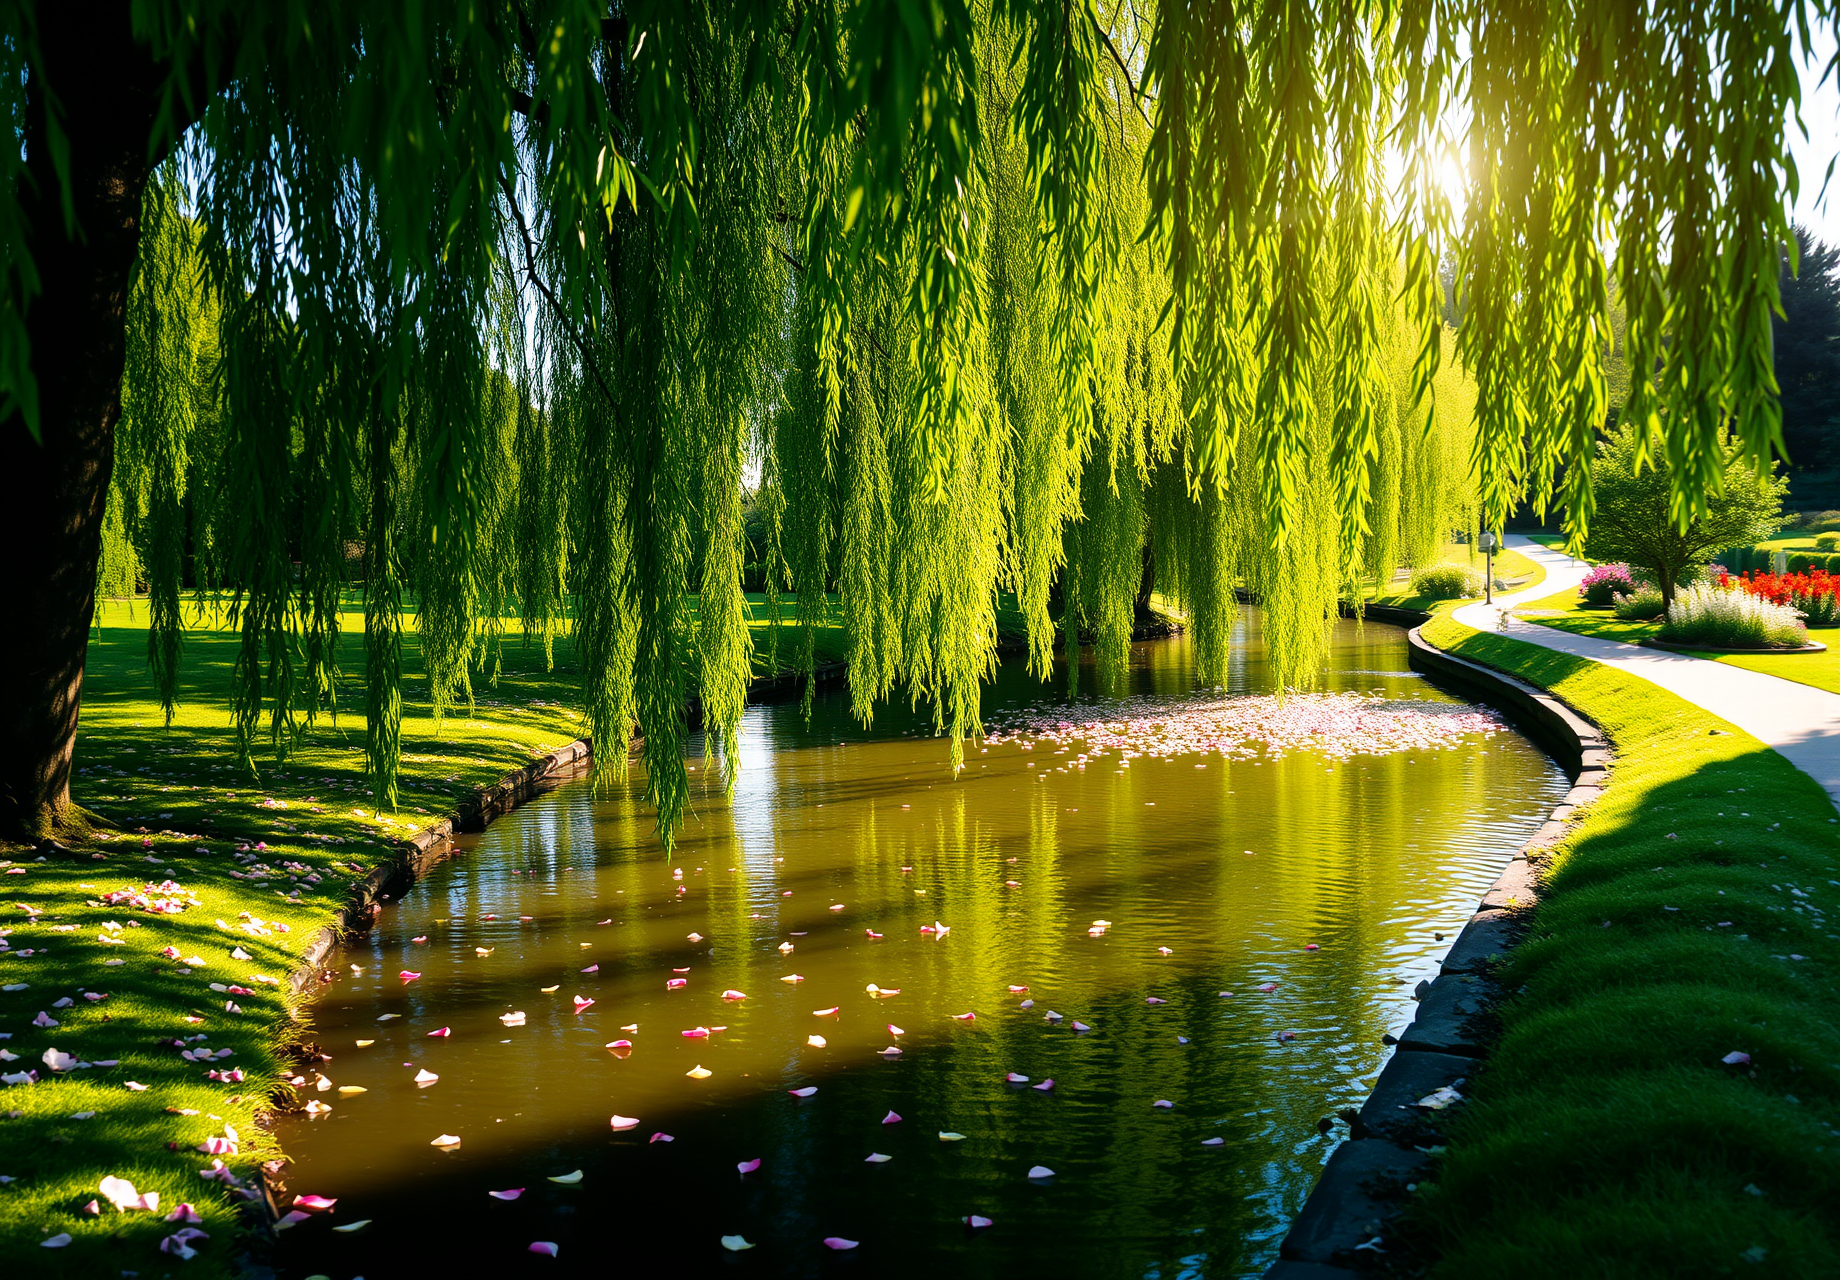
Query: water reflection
pixel 1214 880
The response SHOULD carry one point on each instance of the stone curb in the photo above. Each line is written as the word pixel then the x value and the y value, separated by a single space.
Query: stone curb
pixel 1341 1228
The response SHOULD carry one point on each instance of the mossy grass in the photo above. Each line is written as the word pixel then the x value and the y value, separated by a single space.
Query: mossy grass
pixel 182 808
pixel 1684 920
pixel 1820 670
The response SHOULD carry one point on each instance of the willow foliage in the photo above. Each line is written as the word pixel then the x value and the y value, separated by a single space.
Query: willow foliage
pixel 1066 299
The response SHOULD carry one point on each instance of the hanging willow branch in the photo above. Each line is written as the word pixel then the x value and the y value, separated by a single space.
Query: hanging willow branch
pixel 999 313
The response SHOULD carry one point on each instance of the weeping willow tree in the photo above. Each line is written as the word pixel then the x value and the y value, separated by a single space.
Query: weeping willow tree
pixel 1069 299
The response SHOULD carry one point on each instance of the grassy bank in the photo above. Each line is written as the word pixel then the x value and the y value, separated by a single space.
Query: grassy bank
pixel 227 874
pixel 1562 612
pixel 1684 923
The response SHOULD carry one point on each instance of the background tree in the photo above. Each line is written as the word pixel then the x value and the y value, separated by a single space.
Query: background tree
pixel 1632 523
pixel 1807 345
pixel 992 293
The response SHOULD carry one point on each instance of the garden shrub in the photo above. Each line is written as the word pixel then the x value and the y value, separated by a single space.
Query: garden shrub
pixel 1833 564
pixel 1604 582
pixel 1726 619
pixel 1639 605
pixel 1801 562
pixel 1829 541
pixel 1446 582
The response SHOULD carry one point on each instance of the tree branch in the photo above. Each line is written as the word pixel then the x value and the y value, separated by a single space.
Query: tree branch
pixel 1136 93
pixel 542 287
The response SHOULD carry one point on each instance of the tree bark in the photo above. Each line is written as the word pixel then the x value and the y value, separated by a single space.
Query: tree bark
pixel 52 490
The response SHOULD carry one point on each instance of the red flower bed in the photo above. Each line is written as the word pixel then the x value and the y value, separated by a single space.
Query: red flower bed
pixel 1815 593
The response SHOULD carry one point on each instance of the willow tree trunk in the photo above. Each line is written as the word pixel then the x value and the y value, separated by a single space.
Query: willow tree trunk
pixel 52 489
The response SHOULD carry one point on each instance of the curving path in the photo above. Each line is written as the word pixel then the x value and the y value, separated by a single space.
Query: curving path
pixel 1800 722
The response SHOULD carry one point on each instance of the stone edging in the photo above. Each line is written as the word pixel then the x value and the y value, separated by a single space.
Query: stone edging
pixel 1813 646
pixel 1361 1189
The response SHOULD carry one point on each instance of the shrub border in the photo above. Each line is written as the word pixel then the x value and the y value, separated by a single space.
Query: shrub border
pixel 1359 1191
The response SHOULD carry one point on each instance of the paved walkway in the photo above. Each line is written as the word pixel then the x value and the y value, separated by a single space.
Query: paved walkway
pixel 1801 722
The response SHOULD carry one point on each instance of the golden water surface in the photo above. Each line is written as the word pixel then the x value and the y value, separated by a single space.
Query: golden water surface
pixel 1265 919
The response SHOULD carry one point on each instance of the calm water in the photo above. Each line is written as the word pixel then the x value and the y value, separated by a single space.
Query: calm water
pixel 834 833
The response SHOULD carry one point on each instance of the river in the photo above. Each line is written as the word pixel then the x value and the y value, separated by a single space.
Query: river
pixel 1190 917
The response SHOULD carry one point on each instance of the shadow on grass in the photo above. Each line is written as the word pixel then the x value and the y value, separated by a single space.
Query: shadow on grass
pixel 1683 921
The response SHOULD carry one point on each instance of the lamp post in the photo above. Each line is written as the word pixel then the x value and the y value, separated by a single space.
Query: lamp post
pixel 1487 543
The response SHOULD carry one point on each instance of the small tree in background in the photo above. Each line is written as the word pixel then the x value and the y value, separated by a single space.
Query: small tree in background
pixel 1632 522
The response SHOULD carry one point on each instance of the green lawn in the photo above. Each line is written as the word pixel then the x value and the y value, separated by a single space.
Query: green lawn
pixel 1510 566
pixel 1684 921
pixel 1821 670
pixel 259 861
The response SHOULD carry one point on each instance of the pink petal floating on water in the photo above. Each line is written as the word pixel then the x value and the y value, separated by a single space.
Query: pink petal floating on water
pixel 620 1044
pixel 694 937
pixel 734 995
pixel 660 1137
pixel 57 1241
pixel 891 1118
pixel 697 1033
pixel 1081 1026
pixel 423 938
pixel 1026 1004
pixel 293 1218
pixel 672 984
pixel 408 976
pixel 512 1194
pixel 1046 1086
pixel 824 1013
pixel 1041 1171
pixel 839 1243
pixel 838 906
pixel 1164 951
pixel 964 1017
pixel 624 1122
pixel 1014 989
pixel 685 969
pixel 976 1222
pixel 442 1032
pixel 593 968
pixel 1051 1016
pixel 895 1031
pixel 806 1092
pixel 425 1076
pixel 1736 1059
pixel 1268 987
pixel 599 923
pixel 1016 1077
pixel 1311 946
pixel 889 1052
pixel 793 977
pixel 315 1202
pixel 1155 1000
pixel 870 933
pixel 1163 1103
pixel 545 1247
pixel 876 1157
pixel 1213 1142
pixel 748 1166
pixel 93 1209
pixel 1282 1036
pixel 582 1002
